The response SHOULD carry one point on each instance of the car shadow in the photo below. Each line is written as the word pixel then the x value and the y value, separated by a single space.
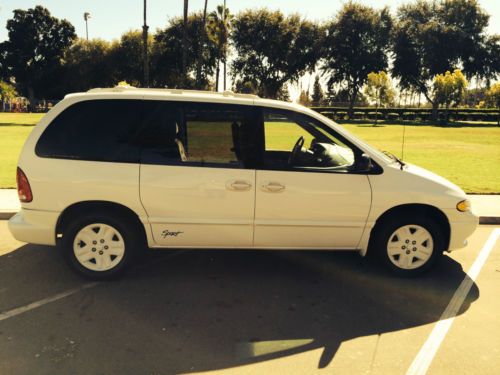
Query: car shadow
pixel 185 310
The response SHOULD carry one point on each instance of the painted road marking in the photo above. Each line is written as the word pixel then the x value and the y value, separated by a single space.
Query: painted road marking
pixel 424 358
pixel 34 305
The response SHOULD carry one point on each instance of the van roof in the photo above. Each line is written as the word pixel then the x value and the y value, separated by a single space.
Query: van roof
pixel 205 96
pixel 131 89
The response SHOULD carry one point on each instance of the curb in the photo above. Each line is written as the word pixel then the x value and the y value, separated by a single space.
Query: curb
pixel 484 220
pixel 489 220
pixel 6 215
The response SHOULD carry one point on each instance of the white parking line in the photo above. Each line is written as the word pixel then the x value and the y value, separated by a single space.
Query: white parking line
pixel 424 358
pixel 34 305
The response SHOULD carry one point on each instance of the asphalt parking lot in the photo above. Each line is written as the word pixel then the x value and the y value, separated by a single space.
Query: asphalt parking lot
pixel 245 312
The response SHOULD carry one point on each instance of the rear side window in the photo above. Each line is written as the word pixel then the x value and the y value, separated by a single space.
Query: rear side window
pixel 97 130
pixel 198 134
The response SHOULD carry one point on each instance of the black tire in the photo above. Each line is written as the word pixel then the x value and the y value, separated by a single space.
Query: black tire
pixel 129 236
pixel 383 233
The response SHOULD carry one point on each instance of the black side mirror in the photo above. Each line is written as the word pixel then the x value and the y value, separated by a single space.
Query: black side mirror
pixel 364 163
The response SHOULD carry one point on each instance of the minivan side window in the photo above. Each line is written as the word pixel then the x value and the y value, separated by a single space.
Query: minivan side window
pixel 95 130
pixel 197 134
pixel 295 141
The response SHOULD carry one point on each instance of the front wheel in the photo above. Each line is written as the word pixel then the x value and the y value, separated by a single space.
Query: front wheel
pixel 409 246
pixel 99 247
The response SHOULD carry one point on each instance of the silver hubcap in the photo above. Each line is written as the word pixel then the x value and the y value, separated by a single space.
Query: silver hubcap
pixel 99 247
pixel 410 246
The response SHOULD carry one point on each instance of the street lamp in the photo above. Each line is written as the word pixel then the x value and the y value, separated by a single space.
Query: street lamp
pixel 86 17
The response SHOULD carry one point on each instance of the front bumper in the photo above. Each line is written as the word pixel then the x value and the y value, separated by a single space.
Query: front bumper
pixel 33 226
pixel 462 225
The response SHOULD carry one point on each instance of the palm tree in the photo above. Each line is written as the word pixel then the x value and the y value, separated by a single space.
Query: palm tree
pixel 185 41
pixel 200 50
pixel 219 24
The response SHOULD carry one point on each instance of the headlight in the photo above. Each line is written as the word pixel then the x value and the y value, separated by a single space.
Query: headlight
pixel 463 206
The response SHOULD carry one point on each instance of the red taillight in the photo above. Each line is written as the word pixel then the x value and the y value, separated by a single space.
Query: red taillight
pixel 23 187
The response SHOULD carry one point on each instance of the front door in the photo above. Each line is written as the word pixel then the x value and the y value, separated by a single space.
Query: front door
pixel 196 186
pixel 309 192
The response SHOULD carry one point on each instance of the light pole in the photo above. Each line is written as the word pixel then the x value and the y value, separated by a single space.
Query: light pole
pixel 86 17
pixel 145 49
pixel 225 38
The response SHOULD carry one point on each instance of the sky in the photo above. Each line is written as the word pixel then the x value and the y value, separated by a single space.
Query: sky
pixel 111 18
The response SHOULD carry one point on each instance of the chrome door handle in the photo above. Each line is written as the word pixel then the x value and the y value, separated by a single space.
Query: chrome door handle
pixel 238 185
pixel 273 187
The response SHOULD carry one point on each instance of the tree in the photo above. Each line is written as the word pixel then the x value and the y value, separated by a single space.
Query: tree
pixel 449 88
pixel 219 24
pixel 357 43
pixel 304 98
pixel 127 57
pixel 434 37
pixel 166 67
pixel 34 51
pixel 272 50
pixel 7 92
pixel 89 64
pixel 379 89
pixel 493 98
pixel 318 96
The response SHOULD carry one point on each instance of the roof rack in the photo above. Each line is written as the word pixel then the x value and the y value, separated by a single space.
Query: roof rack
pixel 124 88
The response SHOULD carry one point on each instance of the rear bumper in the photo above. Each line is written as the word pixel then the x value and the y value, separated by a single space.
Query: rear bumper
pixel 32 226
pixel 462 225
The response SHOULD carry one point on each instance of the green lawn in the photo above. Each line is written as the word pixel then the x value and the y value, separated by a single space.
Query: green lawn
pixel 14 129
pixel 469 155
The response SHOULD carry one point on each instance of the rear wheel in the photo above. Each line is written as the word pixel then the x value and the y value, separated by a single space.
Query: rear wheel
pixel 99 246
pixel 408 246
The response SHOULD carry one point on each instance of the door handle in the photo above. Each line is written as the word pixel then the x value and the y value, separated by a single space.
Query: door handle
pixel 238 185
pixel 273 187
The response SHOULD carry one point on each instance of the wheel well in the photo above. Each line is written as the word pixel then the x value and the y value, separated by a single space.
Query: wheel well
pixel 79 208
pixel 417 209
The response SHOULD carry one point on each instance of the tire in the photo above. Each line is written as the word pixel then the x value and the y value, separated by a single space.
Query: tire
pixel 99 246
pixel 408 246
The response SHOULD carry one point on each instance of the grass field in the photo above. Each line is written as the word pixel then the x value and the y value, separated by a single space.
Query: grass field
pixel 467 155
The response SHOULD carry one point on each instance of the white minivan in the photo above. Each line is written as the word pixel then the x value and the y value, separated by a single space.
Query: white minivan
pixel 108 172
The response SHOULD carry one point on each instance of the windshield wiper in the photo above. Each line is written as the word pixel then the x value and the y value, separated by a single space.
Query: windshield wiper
pixel 395 158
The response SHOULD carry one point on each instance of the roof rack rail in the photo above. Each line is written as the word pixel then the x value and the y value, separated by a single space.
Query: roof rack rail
pixel 123 88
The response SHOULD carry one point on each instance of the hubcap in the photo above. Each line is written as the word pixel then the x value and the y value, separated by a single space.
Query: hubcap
pixel 410 246
pixel 99 247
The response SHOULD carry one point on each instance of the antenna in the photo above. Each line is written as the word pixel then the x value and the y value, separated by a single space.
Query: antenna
pixel 403 145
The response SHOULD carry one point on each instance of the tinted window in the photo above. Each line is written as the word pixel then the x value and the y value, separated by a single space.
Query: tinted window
pixel 99 130
pixel 199 134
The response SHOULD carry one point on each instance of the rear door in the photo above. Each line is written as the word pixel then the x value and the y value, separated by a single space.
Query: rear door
pixel 196 184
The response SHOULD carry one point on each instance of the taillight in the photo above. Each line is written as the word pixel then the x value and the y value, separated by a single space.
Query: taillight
pixel 23 187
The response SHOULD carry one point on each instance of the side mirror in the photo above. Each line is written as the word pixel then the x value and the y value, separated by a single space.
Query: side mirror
pixel 364 163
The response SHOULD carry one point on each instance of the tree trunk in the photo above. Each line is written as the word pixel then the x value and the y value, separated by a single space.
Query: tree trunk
pixel 184 43
pixel 376 112
pixel 225 73
pixel 435 107
pixel 446 113
pixel 350 111
pixel 31 99
pixel 200 49
pixel 217 72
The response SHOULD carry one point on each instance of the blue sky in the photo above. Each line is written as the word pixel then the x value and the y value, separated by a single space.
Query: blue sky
pixel 110 18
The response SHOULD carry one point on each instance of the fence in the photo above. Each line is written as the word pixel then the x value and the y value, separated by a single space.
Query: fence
pixel 409 114
pixel 21 104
